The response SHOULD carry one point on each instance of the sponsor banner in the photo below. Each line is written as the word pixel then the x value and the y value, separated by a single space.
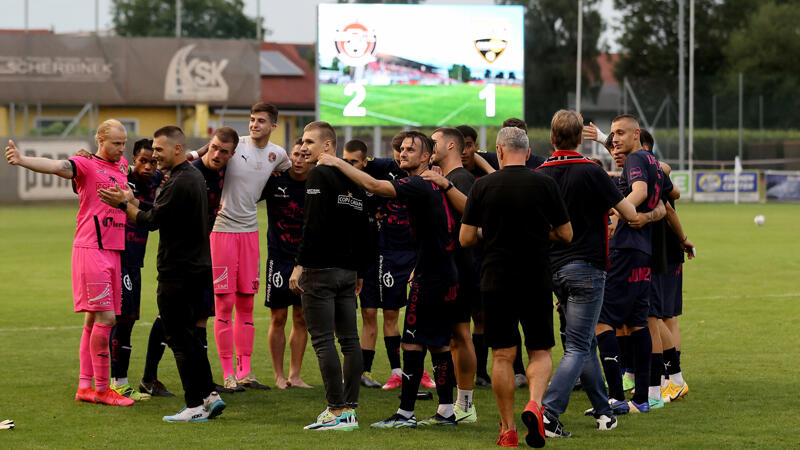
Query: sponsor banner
pixel 57 69
pixel 782 185
pixel 681 179
pixel 39 186
pixel 720 186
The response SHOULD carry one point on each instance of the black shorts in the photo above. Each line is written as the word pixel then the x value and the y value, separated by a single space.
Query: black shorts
pixel 206 308
pixel 278 295
pixel 657 296
pixel 468 300
pixel 626 300
pixel 131 293
pixel 672 288
pixel 504 310
pixel 429 315
pixel 386 282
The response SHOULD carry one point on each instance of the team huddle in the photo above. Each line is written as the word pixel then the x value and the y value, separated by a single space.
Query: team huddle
pixel 452 236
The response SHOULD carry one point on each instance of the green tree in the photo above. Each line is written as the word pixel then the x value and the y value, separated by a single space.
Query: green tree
pixel 459 72
pixel 551 41
pixel 217 19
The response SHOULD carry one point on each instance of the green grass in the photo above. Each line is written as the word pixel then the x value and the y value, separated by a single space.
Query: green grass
pixel 740 356
pixel 401 105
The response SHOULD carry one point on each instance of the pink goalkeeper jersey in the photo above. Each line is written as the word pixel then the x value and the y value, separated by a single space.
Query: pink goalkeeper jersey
pixel 99 225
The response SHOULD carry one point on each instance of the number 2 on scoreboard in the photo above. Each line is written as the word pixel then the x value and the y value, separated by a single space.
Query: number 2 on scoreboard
pixel 487 94
pixel 353 107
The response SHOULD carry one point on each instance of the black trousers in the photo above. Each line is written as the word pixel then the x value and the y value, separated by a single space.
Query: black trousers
pixel 180 303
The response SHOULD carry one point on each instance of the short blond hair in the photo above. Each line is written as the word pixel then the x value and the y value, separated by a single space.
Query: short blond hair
pixel 104 130
pixel 566 129
pixel 327 133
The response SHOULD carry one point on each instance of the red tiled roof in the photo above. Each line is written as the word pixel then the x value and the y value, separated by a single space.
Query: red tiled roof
pixel 21 31
pixel 607 62
pixel 289 92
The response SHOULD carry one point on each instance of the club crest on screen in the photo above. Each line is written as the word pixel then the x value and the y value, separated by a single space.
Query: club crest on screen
pixel 491 38
pixel 355 44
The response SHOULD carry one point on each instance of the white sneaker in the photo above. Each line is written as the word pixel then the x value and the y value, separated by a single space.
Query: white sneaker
pixel 605 423
pixel 196 414
pixel 213 404
pixel 520 380
pixel 328 421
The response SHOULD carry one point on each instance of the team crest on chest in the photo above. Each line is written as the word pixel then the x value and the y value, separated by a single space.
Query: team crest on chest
pixel 122 167
pixel 272 157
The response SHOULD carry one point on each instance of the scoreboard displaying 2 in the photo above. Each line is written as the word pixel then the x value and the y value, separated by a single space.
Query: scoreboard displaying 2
pixel 419 65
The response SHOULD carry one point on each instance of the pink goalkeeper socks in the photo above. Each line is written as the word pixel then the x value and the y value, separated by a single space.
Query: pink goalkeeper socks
pixel 85 357
pixel 98 345
pixel 243 333
pixel 223 331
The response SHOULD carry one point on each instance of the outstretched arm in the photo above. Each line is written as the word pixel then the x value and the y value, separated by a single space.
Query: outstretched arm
pixel 361 178
pixel 62 168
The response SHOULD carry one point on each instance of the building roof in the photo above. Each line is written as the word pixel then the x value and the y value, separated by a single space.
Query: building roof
pixel 22 31
pixel 287 80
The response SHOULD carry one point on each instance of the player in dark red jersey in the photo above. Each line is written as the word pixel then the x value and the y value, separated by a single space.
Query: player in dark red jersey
pixel 285 197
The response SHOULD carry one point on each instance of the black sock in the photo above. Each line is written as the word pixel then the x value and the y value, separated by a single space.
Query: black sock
pixel 626 353
pixel 679 356
pixel 519 368
pixel 481 354
pixel 672 363
pixel 444 376
pixel 642 348
pixel 609 357
pixel 155 350
pixel 119 345
pixel 393 350
pixel 413 362
pixel 367 356
pixel 656 368
pixel 202 334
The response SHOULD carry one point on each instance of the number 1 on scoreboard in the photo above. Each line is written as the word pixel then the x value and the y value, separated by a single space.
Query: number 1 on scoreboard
pixel 487 93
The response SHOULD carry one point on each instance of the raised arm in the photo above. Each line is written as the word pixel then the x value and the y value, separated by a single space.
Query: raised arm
pixel 361 178
pixel 483 164
pixel 62 168
pixel 454 196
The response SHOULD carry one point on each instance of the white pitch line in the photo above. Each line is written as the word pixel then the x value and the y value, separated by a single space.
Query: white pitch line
pixel 452 114
pixel 739 297
pixel 374 114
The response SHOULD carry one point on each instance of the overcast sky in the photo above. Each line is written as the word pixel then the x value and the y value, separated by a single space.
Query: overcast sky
pixel 295 23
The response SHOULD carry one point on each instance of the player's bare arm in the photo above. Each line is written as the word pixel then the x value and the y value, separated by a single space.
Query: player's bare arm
pixel 625 209
pixel 362 179
pixel 675 224
pixel 643 218
pixel 482 164
pixel 468 236
pixel 294 280
pixel 638 193
pixel 454 196
pixel 562 233
pixel 62 168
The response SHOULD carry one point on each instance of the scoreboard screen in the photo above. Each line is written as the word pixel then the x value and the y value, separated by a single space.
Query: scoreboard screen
pixel 419 65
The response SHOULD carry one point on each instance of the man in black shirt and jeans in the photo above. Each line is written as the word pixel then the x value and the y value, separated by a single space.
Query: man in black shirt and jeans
pixel 180 213
pixel 518 212
pixel 329 259
pixel 579 269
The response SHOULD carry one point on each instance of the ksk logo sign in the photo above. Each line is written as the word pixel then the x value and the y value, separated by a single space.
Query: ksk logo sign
pixel 195 79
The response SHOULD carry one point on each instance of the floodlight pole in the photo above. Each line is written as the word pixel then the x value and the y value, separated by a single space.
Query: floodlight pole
pixel 691 86
pixel 26 16
pixel 97 17
pixel 681 87
pixel 178 35
pixel 258 20
pixel 578 58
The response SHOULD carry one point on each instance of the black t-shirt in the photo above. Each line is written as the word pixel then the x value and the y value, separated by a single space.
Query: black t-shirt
pixel 335 222
pixel 432 226
pixel 136 237
pixel 214 180
pixel 640 166
pixel 285 198
pixel 589 193
pixel 463 180
pixel 516 207
pixel 533 162
pixel 390 214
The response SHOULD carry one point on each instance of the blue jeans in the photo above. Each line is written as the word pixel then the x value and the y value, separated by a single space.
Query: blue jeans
pixel 579 287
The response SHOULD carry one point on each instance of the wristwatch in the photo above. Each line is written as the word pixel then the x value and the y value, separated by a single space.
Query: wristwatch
pixel 450 186
pixel 123 205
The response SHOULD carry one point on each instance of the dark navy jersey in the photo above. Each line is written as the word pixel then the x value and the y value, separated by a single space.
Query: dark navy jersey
pixel 433 227
pixel 214 179
pixel 285 198
pixel 640 166
pixel 390 214
pixel 136 237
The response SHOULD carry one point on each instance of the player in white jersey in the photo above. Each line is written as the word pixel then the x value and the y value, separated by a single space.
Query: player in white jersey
pixel 234 244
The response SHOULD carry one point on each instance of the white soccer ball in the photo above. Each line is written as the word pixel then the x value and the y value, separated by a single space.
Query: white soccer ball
pixel 759 220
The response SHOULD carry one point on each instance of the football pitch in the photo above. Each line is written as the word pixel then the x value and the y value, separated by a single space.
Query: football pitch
pixel 740 356
pixel 417 105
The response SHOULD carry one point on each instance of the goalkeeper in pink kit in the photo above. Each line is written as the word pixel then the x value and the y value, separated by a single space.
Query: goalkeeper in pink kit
pixel 99 240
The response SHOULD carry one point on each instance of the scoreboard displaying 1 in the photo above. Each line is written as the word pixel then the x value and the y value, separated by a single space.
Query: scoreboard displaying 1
pixel 419 65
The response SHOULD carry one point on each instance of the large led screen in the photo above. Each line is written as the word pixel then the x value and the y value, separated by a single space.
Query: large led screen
pixel 419 65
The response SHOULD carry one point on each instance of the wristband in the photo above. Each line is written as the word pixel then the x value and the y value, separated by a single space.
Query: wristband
pixel 123 205
pixel 194 155
pixel 450 186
